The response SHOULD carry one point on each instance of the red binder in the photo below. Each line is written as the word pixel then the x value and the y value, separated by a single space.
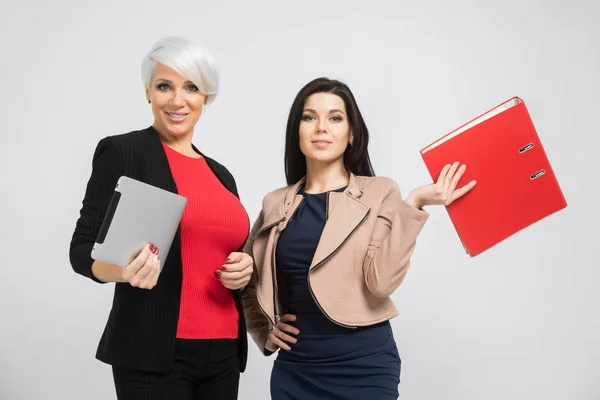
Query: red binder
pixel 516 185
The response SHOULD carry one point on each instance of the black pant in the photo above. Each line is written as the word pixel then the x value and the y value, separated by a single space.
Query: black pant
pixel 203 369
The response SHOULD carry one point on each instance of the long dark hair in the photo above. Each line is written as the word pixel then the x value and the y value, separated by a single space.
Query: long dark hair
pixel 356 156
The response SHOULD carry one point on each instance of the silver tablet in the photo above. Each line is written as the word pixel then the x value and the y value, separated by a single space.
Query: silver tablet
pixel 138 214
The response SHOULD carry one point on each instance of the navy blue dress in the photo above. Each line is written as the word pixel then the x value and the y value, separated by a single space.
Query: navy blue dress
pixel 329 361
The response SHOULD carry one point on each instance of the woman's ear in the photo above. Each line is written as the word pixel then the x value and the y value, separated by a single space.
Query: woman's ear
pixel 148 95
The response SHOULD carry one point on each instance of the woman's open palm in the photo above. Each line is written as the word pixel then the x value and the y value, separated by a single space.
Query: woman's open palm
pixel 444 191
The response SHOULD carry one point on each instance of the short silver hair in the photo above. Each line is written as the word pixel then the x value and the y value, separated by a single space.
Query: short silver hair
pixel 187 58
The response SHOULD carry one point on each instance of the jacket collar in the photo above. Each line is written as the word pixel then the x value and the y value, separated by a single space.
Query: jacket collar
pixel 291 200
pixel 293 190
pixel 346 212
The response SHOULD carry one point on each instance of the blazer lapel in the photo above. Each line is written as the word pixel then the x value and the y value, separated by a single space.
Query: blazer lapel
pixel 160 172
pixel 219 171
pixel 346 214
pixel 282 211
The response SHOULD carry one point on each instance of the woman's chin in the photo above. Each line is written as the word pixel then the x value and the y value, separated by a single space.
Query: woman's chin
pixel 322 158
pixel 176 130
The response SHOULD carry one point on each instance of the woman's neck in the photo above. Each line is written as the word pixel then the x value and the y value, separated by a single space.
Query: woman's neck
pixel 181 144
pixel 322 177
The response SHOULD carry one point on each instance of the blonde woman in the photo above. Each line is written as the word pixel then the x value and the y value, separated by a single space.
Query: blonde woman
pixel 179 333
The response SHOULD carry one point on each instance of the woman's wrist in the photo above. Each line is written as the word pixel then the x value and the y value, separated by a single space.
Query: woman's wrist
pixel 107 272
pixel 413 201
pixel 270 346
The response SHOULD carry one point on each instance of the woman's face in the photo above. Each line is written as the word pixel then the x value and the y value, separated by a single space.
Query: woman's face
pixel 324 128
pixel 176 102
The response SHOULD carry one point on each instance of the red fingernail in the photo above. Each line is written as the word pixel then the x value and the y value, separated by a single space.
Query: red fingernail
pixel 218 274
pixel 156 250
pixel 151 247
pixel 223 268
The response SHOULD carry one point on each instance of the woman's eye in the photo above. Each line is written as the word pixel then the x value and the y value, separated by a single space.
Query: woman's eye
pixel 307 118
pixel 162 87
pixel 336 119
pixel 193 88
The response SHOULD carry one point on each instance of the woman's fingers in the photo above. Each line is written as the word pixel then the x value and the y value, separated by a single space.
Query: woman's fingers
pixel 284 336
pixel 443 192
pixel 235 284
pixel 237 261
pixel 153 266
pixel 137 263
pixel 235 257
pixel 278 342
pixel 287 318
pixel 462 191
pixel 143 271
pixel 282 327
pixel 225 274
pixel 288 328
pixel 450 174
pixel 153 282
pixel 278 335
pixel 236 274
pixel 456 178
pixel 443 174
pixel 234 280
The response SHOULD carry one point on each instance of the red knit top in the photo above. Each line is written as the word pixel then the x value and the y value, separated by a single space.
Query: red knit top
pixel 214 224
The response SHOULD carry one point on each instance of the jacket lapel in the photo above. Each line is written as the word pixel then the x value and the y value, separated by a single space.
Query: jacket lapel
pixel 159 173
pixel 219 171
pixel 282 211
pixel 272 217
pixel 346 214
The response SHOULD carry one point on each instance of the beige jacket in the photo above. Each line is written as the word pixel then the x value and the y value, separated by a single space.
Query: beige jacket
pixel 361 259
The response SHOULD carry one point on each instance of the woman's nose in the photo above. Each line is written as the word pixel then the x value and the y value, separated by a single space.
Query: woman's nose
pixel 321 127
pixel 177 99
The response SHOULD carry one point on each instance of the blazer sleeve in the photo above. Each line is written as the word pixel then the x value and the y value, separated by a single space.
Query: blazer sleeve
pixel 257 323
pixel 392 242
pixel 106 170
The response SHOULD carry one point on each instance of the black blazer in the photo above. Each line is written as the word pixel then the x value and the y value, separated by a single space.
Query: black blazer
pixel 142 325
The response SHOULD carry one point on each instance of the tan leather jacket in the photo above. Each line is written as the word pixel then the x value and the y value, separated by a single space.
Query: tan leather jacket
pixel 362 256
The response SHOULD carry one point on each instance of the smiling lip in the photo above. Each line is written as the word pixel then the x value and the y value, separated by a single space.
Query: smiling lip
pixel 177 117
pixel 321 142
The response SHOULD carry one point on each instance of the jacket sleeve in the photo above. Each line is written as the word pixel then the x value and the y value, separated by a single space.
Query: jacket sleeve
pixel 257 323
pixel 106 171
pixel 392 243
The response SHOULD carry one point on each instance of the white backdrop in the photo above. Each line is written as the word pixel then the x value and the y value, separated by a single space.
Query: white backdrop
pixel 520 321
